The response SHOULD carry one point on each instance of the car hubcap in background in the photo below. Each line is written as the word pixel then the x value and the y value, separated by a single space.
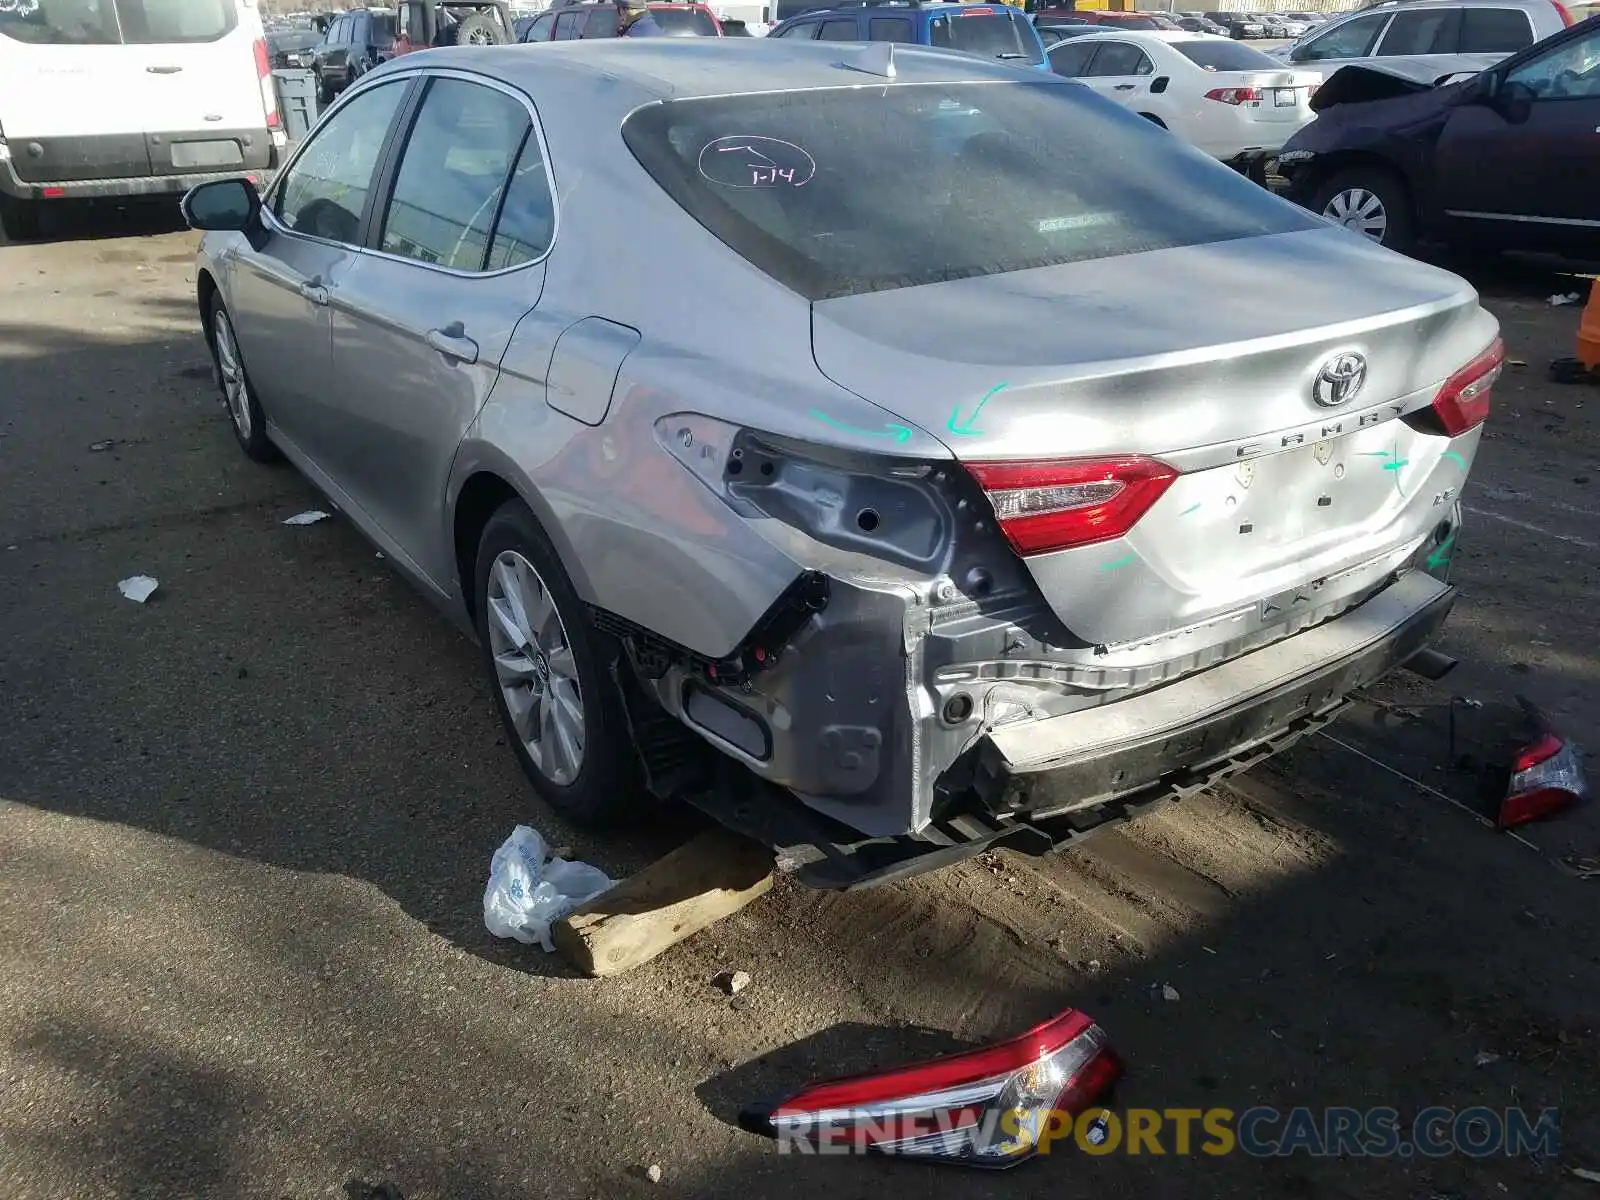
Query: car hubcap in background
pixel 533 663
pixel 1360 210
pixel 232 375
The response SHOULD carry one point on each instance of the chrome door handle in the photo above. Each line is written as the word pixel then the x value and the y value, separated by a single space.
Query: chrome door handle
pixel 313 291
pixel 453 342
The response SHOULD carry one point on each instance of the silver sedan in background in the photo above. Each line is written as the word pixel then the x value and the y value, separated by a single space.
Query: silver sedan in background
pixel 930 445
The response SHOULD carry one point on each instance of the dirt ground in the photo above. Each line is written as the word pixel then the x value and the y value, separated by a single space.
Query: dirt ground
pixel 245 829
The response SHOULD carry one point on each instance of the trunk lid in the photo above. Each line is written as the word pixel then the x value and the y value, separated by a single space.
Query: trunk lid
pixel 1205 358
pixel 1285 95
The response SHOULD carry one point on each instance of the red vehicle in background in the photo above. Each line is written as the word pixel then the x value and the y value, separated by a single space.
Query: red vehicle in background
pixel 604 18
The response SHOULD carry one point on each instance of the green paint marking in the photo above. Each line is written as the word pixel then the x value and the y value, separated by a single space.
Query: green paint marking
pixel 1190 509
pixel 899 433
pixel 1460 462
pixel 1375 453
pixel 964 428
pixel 1396 465
pixel 1442 555
pixel 1117 563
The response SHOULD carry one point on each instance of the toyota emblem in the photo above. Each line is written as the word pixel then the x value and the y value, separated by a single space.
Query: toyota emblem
pixel 1339 380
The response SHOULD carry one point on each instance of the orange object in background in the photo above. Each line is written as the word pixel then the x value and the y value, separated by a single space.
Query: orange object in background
pixel 1589 330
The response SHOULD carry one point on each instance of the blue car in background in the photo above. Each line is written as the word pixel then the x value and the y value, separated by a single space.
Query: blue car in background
pixel 990 30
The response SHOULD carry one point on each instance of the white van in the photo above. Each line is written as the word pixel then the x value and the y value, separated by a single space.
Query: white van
pixel 129 98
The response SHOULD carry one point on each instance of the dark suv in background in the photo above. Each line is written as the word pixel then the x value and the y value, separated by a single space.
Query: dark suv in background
pixel 1239 25
pixel 356 42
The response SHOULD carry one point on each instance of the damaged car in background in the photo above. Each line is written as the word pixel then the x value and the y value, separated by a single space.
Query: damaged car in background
pixel 972 520
pixel 1506 159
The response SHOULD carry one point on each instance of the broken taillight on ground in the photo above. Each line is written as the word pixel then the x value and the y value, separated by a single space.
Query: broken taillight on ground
pixel 992 1107
pixel 1546 774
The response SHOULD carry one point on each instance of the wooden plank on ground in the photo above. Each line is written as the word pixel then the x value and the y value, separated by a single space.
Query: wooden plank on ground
pixel 704 880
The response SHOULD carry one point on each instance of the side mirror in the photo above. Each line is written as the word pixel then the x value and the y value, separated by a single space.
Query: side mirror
pixel 228 204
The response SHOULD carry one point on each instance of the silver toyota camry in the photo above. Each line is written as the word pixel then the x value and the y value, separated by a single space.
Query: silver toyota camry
pixel 895 452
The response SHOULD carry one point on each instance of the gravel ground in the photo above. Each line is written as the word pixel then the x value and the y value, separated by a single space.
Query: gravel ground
pixel 245 830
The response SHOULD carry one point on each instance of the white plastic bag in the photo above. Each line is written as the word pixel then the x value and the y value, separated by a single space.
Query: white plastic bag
pixel 528 892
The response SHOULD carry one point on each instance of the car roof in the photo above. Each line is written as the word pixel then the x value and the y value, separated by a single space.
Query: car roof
pixel 1154 35
pixel 640 70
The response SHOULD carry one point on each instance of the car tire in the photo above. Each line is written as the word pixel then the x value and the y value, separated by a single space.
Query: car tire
pixel 1370 201
pixel 19 219
pixel 239 401
pixel 551 677
pixel 324 90
pixel 475 29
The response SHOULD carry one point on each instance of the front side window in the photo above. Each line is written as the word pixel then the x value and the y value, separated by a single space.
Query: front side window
pixel 1569 72
pixel 1351 39
pixel 1494 30
pixel 838 31
pixel 805 29
pixel 568 26
pixel 840 191
pixel 325 189
pixel 539 30
pixel 452 174
pixel 602 22
pixel 116 22
pixel 890 29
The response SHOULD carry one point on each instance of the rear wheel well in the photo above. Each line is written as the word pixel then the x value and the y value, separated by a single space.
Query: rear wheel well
pixel 479 499
pixel 1336 164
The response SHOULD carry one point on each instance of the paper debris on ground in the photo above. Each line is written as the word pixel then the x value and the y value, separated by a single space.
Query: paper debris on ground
pixel 1565 298
pixel 1484 1058
pixel 137 588
pixel 101 446
pixel 653 1173
pixel 529 889
pixel 1585 1173
pixel 1168 992
pixel 732 982
pixel 309 517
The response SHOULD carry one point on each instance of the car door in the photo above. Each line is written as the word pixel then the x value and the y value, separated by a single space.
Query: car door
pixel 1518 165
pixel 279 293
pixel 1121 71
pixel 338 51
pixel 420 324
pixel 839 29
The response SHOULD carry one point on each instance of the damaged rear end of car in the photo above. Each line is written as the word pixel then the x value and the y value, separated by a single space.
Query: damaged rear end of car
pixel 1165 469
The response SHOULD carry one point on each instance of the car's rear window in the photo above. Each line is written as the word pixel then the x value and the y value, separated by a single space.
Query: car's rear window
pixel 114 22
pixel 991 32
pixel 1226 56
pixel 684 22
pixel 382 28
pixel 841 191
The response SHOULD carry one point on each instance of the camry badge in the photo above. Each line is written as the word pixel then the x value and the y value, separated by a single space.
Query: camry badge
pixel 1339 380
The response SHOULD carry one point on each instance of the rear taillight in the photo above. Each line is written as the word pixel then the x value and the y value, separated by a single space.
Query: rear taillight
pixel 990 1107
pixel 1463 401
pixel 1546 777
pixel 1244 95
pixel 269 94
pixel 1044 506
pixel 1566 15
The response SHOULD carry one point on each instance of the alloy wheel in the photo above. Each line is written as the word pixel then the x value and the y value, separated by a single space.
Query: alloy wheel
pixel 231 374
pixel 535 667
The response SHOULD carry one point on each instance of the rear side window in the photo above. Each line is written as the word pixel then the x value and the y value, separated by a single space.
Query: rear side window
pixel 602 22
pixel 382 30
pixel 114 22
pixel 891 29
pixel 1494 30
pixel 568 26
pixel 1430 31
pixel 840 191
pixel 453 173
pixel 1120 58
pixel 838 31
pixel 528 217
pixel 1226 56
pixel 990 32
pixel 1071 59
